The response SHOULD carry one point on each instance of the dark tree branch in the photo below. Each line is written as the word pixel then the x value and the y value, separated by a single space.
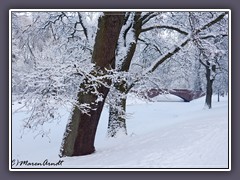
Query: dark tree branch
pixel 165 27
pixel 75 29
pixel 31 24
pixel 81 22
pixel 148 16
pixel 220 17
pixel 59 17
pixel 205 65
pixel 127 15
pixel 150 44
pixel 54 35
pixel 125 33
pixel 213 36
pixel 168 55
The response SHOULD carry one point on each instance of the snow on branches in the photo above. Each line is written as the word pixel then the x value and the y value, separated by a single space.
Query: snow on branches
pixel 52 51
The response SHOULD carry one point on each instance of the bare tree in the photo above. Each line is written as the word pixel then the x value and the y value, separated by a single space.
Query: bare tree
pixel 209 52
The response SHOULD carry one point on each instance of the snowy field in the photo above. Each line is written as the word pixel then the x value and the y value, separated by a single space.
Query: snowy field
pixel 160 135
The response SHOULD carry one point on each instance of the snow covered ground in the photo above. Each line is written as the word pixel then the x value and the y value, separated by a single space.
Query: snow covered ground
pixel 160 135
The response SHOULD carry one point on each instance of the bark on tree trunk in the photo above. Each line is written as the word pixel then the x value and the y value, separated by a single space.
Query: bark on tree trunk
pixel 117 112
pixel 208 100
pixel 81 130
pixel 117 119
pixel 209 89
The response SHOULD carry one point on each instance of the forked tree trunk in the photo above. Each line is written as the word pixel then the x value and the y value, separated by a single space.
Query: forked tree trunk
pixel 80 132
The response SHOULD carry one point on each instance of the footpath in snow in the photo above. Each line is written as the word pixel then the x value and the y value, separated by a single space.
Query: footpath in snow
pixel 160 135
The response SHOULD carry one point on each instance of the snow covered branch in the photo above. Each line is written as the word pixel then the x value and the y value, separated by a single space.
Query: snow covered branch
pixel 177 48
pixel 175 28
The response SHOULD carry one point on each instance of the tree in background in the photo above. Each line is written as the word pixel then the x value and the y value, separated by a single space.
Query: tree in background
pixel 211 52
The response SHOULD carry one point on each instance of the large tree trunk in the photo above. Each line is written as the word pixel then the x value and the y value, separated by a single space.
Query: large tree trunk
pixel 81 129
pixel 117 111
